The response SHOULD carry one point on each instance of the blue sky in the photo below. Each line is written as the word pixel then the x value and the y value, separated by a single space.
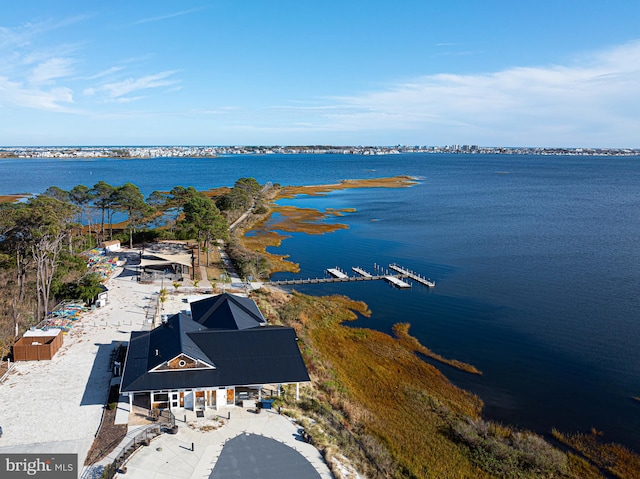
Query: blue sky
pixel 492 73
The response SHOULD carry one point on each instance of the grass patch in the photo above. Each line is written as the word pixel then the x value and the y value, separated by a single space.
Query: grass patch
pixel 393 403
pixel 13 198
pixel 616 460
pixel 287 219
pixel 393 415
pixel 402 333
pixel 322 190
pixel 292 219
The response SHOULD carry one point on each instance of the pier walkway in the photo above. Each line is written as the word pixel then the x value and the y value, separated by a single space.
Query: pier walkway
pixel 331 279
pixel 336 275
pixel 414 276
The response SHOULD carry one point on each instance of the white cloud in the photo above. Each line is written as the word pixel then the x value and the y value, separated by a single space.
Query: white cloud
pixel 167 16
pixel 50 70
pixel 54 99
pixel 102 74
pixel 130 85
pixel 593 100
pixel 127 99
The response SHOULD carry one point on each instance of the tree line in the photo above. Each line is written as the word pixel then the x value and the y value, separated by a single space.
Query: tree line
pixel 41 238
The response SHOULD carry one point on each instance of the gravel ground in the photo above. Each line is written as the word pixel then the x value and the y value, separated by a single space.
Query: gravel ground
pixel 56 406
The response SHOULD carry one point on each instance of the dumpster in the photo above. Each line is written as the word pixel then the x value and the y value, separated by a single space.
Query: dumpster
pixel 266 403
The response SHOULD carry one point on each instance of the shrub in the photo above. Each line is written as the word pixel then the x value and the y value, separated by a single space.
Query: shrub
pixel 500 451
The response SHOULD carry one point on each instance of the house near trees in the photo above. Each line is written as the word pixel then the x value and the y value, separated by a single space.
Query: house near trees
pixel 215 355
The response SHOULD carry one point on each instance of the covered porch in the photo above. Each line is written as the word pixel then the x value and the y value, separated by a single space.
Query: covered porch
pixel 202 399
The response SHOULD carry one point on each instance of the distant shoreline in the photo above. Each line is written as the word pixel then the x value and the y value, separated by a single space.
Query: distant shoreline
pixel 153 152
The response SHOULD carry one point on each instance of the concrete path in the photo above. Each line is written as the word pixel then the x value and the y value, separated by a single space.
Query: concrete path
pixel 171 456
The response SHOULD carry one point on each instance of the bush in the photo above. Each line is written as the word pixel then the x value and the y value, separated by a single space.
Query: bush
pixel 509 454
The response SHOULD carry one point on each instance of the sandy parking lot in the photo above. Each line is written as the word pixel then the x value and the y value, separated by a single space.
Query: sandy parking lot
pixel 56 406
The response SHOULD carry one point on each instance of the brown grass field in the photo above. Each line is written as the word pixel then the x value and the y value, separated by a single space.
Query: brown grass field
pixel 380 385
pixel 380 388
pixel 321 190
pixel 12 198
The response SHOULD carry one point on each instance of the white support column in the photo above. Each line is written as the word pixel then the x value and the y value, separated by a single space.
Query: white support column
pixel 151 399
pixel 297 391
pixel 278 389
pixel 260 393
pixel 130 402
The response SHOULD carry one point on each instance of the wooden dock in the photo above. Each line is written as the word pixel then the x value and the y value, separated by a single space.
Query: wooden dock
pixel 397 282
pixel 414 276
pixel 361 272
pixel 336 275
pixel 331 279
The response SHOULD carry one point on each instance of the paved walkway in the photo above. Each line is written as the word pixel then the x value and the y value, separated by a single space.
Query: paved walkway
pixel 171 456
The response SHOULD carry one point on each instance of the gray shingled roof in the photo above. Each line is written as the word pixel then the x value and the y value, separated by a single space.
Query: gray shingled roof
pixel 227 311
pixel 241 356
pixel 172 339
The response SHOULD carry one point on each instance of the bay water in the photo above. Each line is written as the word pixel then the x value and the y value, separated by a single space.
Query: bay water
pixel 536 261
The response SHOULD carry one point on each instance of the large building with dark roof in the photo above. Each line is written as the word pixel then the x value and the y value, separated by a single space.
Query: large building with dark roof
pixel 220 352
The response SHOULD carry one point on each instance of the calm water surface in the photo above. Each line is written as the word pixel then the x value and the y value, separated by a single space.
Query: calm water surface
pixel 536 259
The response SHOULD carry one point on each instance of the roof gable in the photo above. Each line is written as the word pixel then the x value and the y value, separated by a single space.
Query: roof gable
pixel 227 311
pixel 181 362
pixel 171 339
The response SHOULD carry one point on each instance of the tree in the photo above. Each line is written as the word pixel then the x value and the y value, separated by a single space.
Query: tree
pixel 163 295
pixel 80 195
pixel 242 196
pixel 158 201
pixel 129 199
pixel 178 197
pixel 88 287
pixel 102 198
pixel 15 250
pixel 16 240
pixel 44 223
pixel 203 221
pixel 250 185
pixel 57 193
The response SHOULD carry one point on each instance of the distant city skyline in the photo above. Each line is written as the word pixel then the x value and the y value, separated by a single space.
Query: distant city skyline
pixel 514 74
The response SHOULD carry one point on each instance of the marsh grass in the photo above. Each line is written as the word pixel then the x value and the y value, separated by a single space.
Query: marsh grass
pixel 272 228
pixel 380 390
pixel 13 198
pixel 616 460
pixel 401 330
pixel 321 190
pixel 286 219
pixel 293 219
pixel 393 415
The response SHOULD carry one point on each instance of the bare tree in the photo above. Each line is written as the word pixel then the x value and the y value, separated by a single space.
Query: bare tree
pixel 47 223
